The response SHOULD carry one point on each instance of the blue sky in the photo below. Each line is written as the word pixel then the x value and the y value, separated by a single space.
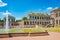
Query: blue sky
pixel 21 8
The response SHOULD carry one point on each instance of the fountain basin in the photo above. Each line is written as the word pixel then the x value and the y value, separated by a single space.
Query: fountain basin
pixel 4 35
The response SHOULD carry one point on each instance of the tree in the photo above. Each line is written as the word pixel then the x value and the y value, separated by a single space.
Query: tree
pixel 24 18
pixel 18 20
pixel 1 20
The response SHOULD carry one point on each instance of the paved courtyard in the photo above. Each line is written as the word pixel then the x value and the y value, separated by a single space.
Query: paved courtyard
pixel 52 36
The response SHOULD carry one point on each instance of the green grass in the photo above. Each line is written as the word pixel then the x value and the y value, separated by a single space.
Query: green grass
pixel 35 30
pixel 55 29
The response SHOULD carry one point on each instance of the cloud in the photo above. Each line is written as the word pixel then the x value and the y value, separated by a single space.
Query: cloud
pixel 49 8
pixel 2 4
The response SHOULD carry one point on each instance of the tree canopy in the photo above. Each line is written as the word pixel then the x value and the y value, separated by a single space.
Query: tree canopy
pixel 1 20
pixel 18 20
pixel 24 18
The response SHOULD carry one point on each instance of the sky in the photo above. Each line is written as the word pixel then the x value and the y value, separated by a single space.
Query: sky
pixel 21 8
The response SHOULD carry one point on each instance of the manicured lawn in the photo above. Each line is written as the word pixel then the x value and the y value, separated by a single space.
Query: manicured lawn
pixel 56 29
pixel 35 30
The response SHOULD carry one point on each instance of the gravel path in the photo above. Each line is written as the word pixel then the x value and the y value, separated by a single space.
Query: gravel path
pixel 52 36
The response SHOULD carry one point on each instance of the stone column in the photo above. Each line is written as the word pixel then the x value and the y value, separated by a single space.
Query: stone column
pixel 51 21
pixel 55 23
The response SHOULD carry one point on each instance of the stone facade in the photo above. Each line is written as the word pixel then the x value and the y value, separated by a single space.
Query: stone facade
pixel 36 20
pixel 55 17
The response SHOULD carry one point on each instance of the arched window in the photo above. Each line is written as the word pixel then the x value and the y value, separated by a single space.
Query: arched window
pixel 31 17
pixel 56 21
pixel 56 14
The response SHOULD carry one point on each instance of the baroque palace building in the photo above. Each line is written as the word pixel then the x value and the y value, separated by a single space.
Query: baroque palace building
pixel 42 20
pixel 35 20
pixel 55 17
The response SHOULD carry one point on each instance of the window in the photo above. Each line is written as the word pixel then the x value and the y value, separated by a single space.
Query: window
pixel 40 22
pixel 40 17
pixel 59 13
pixel 56 14
pixel 59 22
pixel 56 21
pixel 45 22
pixel 37 17
pixel 37 23
pixel 43 18
pixel 27 23
pixel 31 23
pixel 24 23
pixel 31 17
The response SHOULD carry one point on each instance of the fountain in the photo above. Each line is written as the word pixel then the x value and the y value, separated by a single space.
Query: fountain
pixel 7 21
pixel 2 4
